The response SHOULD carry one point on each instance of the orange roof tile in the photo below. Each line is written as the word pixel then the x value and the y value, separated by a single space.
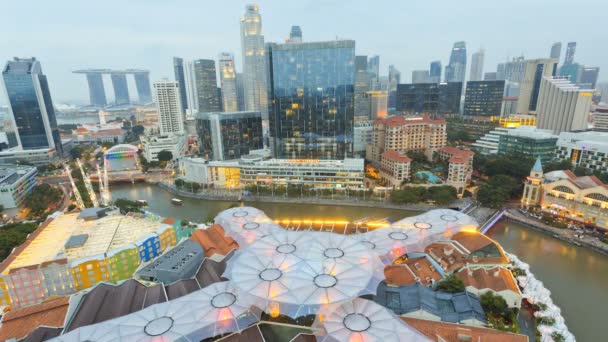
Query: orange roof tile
pixel 20 323
pixel 473 241
pixel 169 220
pixel 457 152
pixel 497 279
pixel 399 120
pixel 214 241
pixel 410 272
pixel 396 156
pixel 452 332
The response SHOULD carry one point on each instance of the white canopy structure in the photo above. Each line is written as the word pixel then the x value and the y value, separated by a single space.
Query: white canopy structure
pixel 390 242
pixel 363 321
pixel 438 224
pixel 245 224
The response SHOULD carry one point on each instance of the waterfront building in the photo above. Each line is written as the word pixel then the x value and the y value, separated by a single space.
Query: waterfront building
pixel 229 135
pixel 362 86
pixel 430 98
pixel 477 66
pixel 460 167
pixel 37 322
pixel 530 84
pixel 362 136
pixel 556 50
pixel 228 82
pixel 456 69
pixel 600 118
pixel 312 96
pixel 254 62
pixel 421 76
pixel 586 149
pixel 532 186
pixel 94 133
pixel 394 168
pixel 512 71
pixel 152 145
pixel 194 169
pixel 180 262
pixel 499 281
pixel 16 182
pixel 563 106
pixel 589 76
pixel 403 134
pixel 435 72
pixel 455 332
pixel 528 141
pixel 484 98
pixel 206 85
pixel 168 102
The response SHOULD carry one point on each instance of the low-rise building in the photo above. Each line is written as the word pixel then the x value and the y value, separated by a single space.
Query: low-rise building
pixel 586 149
pixel 152 145
pixel 498 280
pixel 395 168
pixel 16 182
pixel 416 269
pixel 38 157
pixel 180 262
pixel 453 332
pixel 528 141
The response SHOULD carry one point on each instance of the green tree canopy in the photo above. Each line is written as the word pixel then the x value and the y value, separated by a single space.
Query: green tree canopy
pixel 451 284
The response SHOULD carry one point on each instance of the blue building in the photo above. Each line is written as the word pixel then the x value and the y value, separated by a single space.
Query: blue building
pixel 311 96
pixel 34 125
pixel 149 247
pixel 435 72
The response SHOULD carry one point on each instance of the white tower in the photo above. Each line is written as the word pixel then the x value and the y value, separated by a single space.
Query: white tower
pixel 169 107
pixel 532 187
pixel 254 61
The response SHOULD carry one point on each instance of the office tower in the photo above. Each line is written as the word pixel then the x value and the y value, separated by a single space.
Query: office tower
pixel 97 93
pixel 121 90
pixel 490 76
pixel 529 86
pixel 435 72
pixel 206 85
pixel 477 66
pixel 429 98
pixel 180 78
pixel 228 82
pixel 394 78
pixel 562 105
pixel 373 66
pixel 603 88
pixel 219 98
pixel 362 87
pixel 556 50
pixel 573 71
pixel 33 125
pixel 484 98
pixel 378 104
pixel 511 71
pixel 254 63
pixel 420 76
pixel 168 103
pixel 240 92
pixel 312 96
pixel 229 135
pixel 589 76
pixel 455 70
pixel 295 35
pixel 142 84
pixel 570 50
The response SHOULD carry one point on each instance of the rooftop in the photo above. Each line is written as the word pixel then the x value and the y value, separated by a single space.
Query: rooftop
pixel 399 120
pixel 214 241
pixel 496 279
pixel 20 323
pixel 9 174
pixel 450 332
pixel 180 262
pixel 396 156
pixel 411 271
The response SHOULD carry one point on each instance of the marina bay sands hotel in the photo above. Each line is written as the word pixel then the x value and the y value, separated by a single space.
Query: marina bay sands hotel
pixel 97 92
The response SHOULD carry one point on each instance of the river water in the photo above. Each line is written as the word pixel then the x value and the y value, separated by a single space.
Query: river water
pixel 577 277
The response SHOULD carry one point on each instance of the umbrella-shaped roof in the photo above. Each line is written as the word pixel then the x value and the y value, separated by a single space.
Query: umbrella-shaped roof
pixel 389 243
pixel 245 224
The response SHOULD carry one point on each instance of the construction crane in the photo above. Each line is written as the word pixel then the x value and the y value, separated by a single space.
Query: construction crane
pixel 74 188
pixel 88 185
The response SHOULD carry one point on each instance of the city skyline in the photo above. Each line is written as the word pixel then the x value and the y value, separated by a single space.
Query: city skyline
pixel 124 42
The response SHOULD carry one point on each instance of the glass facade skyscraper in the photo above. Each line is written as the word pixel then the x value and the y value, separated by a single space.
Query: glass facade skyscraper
pixel 228 82
pixel 178 69
pixel 455 70
pixel 435 72
pixel 33 125
pixel 484 98
pixel 121 90
pixel 429 98
pixel 312 95
pixel 206 85
pixel 229 135
pixel 254 63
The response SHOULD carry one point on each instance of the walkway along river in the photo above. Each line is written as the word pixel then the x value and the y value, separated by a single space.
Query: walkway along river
pixel 577 277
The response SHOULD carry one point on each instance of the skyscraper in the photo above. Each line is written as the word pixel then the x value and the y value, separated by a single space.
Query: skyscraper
pixel 420 76
pixel 570 50
pixel 556 50
pixel 484 98
pixel 228 82
pixel 254 63
pixel 240 92
pixel 206 85
pixel 373 66
pixel 312 96
pixel 362 87
pixel 142 84
pixel 529 86
pixel 562 106
pixel 178 69
pixel 30 107
pixel 589 76
pixel 477 66
pixel 394 78
pixel 455 70
pixel 295 35
pixel 512 71
pixel 168 102
pixel 121 90
pixel 97 93
pixel 435 72
pixel 429 98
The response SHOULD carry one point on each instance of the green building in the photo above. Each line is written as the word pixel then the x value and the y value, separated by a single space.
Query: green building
pixel 529 141
pixel 122 262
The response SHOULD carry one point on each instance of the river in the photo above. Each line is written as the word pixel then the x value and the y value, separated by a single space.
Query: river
pixel 577 277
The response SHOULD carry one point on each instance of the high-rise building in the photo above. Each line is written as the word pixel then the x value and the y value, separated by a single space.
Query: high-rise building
pixel 490 76
pixel 455 70
pixel 240 91
pixel 429 98
pixel 573 71
pixel 556 50
pixel 142 84
pixel 512 71
pixel 312 96
pixel 97 92
pixel 589 76
pixel 435 72
pixel 420 76
pixel 254 62
pixel 477 66
pixel 121 90
pixel 229 135
pixel 373 66
pixel 228 82
pixel 394 78
pixel 529 86
pixel 178 69
pixel 378 103
pixel 603 88
pixel 32 124
pixel 600 118
pixel 206 85
pixel 570 50
pixel 168 102
pixel 295 35
pixel 362 87
pixel 562 105
pixel 484 98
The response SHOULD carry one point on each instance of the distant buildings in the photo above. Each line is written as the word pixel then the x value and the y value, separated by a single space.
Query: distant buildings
pixel 512 71
pixel 373 66
pixel 477 66
pixel 587 149
pixel 556 50
pixel 16 182
pixel 570 50
pixel 180 78
pixel 206 85
pixel 229 135
pixel 312 97
pixel 600 118
pixel 394 78
pixel 432 98
pixel 455 70
pixel 254 62
pixel 490 76
pixel 362 136
pixel 97 93
pixel 363 85
pixel 295 35
pixel 378 104
pixel 562 106
pixel 420 76
pixel 168 102
pixel 151 146
pixel 435 72
pixel 589 77
pixel 484 98
pixel 530 84
pixel 228 82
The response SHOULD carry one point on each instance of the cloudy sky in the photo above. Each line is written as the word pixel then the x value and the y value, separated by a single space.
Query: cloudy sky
pixel 72 34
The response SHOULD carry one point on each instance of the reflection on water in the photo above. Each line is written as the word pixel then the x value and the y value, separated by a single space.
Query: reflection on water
pixel 576 277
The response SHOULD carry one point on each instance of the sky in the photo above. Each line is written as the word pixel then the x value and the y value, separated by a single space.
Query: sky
pixel 66 35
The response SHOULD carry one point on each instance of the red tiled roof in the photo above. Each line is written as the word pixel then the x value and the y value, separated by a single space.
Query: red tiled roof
pixel 20 323
pixel 457 152
pixel 497 279
pixel 410 272
pixel 452 332
pixel 399 120
pixel 214 241
pixel 396 156
pixel 169 220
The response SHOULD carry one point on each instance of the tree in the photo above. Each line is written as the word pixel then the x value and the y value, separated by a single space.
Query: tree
pixel 179 182
pixel 580 171
pixel 1 208
pixel 493 304
pixel 41 198
pixel 450 284
pixel 444 194
pixel 498 190
pixel 164 156
pixel 139 129
pixel 76 151
pixel 12 235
